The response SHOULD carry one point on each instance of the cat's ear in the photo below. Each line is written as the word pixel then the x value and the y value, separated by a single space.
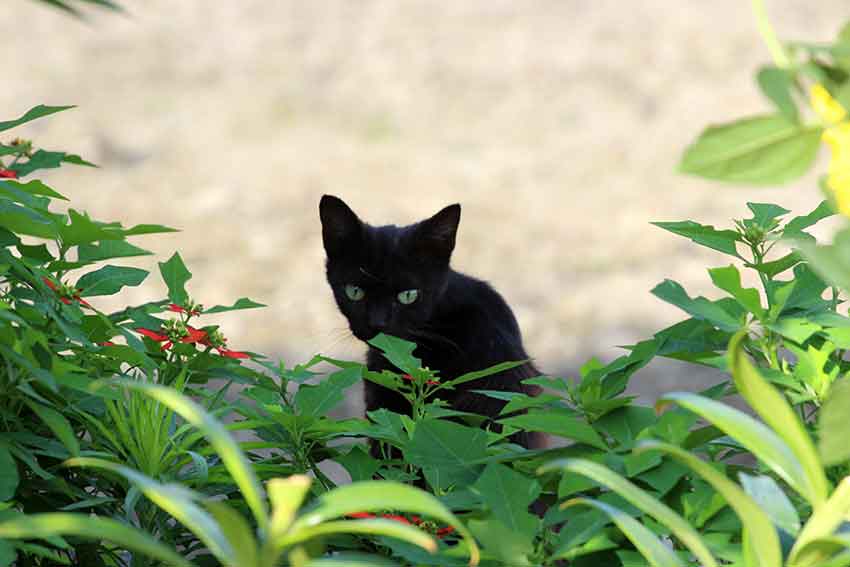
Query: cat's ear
pixel 340 226
pixel 435 237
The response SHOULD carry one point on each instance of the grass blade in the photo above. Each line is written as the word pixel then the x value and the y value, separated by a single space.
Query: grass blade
pixel 640 499
pixel 93 527
pixel 652 549
pixel 763 539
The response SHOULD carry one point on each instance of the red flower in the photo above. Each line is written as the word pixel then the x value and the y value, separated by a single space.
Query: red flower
pixel 158 337
pixel 65 293
pixel 409 378
pixel 180 309
pixel 8 173
pixel 227 353
pixel 106 343
pixel 194 336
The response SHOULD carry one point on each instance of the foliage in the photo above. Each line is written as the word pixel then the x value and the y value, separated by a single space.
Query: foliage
pixel 140 437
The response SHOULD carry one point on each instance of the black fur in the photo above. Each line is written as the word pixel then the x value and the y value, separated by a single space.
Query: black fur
pixel 458 323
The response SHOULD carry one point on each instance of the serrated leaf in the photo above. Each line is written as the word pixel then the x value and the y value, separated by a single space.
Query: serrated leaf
pixel 763 150
pixel 318 400
pixel 109 249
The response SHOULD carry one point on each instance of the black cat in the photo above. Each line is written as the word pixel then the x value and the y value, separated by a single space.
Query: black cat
pixel 397 280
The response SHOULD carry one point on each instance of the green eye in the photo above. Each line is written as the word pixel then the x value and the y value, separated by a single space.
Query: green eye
pixel 354 293
pixel 409 296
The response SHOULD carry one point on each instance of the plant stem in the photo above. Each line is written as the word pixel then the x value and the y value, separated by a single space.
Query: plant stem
pixel 768 35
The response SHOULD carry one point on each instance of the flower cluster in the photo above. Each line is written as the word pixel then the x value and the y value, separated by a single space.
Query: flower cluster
pixel 67 293
pixel 410 378
pixel 179 331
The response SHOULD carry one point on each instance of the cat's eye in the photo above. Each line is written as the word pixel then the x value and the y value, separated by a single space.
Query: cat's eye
pixel 408 296
pixel 354 292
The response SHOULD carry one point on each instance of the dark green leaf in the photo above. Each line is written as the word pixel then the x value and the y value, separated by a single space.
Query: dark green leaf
pixel 109 280
pixel 32 114
pixel 34 187
pixel 8 474
pixel 359 464
pixel 83 230
pixel 175 275
pixel 399 352
pixel 700 307
pixel 798 224
pixel 447 447
pixel 706 235
pixel 318 400
pixel 508 494
pixel 764 214
pixel 241 303
pixel 556 423
pixel 148 229
pixel 109 249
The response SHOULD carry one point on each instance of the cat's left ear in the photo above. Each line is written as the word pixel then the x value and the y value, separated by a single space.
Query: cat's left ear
pixel 435 237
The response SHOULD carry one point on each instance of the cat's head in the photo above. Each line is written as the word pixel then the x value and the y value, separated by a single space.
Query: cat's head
pixel 387 278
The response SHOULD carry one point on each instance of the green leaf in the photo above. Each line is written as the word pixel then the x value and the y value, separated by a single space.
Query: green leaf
pixel 32 114
pixel 58 424
pixel 508 494
pixel 763 443
pixel 505 547
pixel 448 447
pixel 652 549
pixel 706 235
pixel 320 399
pixel 769 497
pixel 140 229
pixel 236 531
pixel 795 226
pixel 286 496
pixel 470 376
pixel 798 330
pixel 760 533
pixel 175 499
pixel 83 230
pixel 91 527
pixel 378 527
pixel 110 279
pixel 824 520
pixel 699 308
pixel 109 249
pixel 175 275
pixel 831 262
pixel 765 214
pixel 241 303
pixel 23 220
pixel 34 187
pixel 9 477
pixel 729 280
pixel 777 84
pixel 359 464
pixel 763 150
pixel 557 423
pixel 399 352
pixel 775 267
pixel 832 425
pixel 43 159
pixel 228 450
pixel 640 499
pixel 771 406
pixel 377 496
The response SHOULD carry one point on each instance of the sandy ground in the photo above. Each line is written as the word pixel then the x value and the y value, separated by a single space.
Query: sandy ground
pixel 557 124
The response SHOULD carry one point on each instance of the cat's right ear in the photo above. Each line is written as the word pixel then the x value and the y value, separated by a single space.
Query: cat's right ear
pixel 340 226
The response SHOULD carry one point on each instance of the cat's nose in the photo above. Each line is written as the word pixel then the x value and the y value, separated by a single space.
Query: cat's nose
pixel 379 321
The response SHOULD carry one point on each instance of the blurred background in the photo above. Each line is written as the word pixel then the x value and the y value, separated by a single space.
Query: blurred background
pixel 557 124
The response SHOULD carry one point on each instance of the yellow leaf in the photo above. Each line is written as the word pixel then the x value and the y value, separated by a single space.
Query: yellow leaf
pixel 829 109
